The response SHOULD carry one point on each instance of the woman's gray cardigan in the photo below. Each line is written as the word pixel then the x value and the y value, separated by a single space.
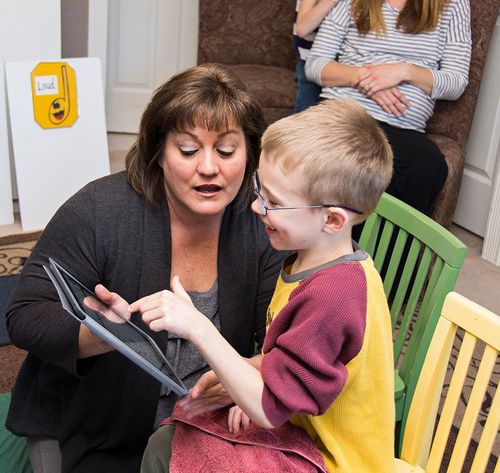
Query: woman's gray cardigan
pixel 102 409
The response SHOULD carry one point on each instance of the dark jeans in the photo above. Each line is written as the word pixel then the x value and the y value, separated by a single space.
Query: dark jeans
pixel 156 458
pixel 420 170
pixel 306 92
pixel 44 454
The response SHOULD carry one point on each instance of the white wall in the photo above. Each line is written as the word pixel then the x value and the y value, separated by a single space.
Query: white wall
pixel 483 148
pixel 147 42
pixel 29 29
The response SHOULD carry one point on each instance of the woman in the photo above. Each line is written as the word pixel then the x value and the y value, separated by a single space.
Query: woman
pixel 180 208
pixel 396 58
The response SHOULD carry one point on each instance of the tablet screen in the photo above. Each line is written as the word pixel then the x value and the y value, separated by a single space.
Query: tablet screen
pixel 118 324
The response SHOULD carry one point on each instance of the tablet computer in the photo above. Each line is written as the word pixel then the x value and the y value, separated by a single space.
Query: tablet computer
pixel 113 327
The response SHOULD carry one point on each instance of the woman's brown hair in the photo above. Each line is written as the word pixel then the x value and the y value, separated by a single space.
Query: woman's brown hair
pixel 417 16
pixel 209 96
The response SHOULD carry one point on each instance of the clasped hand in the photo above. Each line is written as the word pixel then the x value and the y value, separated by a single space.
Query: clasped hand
pixel 379 82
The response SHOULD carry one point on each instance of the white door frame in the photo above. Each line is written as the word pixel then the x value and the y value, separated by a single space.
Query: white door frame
pixel 98 33
pixel 491 244
pixel 169 45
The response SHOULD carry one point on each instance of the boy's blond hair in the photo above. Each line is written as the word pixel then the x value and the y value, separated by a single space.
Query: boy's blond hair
pixel 340 151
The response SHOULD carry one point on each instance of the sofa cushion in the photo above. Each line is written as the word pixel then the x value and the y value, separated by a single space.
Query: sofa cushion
pixel 273 86
pixel 445 202
pixel 246 32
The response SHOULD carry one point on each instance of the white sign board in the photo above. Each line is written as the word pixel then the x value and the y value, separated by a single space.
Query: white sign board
pixel 6 207
pixel 52 164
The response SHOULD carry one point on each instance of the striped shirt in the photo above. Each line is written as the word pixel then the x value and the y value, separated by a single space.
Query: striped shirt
pixel 445 51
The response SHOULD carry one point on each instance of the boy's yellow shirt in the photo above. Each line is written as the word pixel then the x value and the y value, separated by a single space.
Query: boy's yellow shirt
pixel 356 433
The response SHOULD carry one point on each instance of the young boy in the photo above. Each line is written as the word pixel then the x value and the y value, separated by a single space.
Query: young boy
pixel 327 357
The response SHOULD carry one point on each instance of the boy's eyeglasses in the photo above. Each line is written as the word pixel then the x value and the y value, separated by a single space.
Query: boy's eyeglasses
pixel 264 206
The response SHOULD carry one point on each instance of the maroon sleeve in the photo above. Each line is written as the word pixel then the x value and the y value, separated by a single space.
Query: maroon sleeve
pixel 311 341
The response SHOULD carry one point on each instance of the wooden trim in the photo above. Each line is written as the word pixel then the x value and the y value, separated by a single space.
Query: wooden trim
pixel 491 244
pixel 19 238
pixel 98 33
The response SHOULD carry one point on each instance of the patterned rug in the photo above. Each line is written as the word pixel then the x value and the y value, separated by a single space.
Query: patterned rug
pixel 14 250
pixel 464 396
pixel 485 407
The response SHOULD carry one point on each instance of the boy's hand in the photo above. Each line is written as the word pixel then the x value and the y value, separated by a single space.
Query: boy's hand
pixel 205 396
pixel 173 311
pixel 237 420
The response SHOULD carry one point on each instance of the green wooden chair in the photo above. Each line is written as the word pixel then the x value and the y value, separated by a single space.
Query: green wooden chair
pixel 419 261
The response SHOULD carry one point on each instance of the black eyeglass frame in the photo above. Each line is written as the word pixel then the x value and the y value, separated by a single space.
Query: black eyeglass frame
pixel 264 205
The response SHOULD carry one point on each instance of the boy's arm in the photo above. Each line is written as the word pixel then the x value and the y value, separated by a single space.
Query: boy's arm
pixel 173 311
pixel 208 394
pixel 311 342
pixel 311 14
pixel 241 379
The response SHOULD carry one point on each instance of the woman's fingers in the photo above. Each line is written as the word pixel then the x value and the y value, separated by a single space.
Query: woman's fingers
pixel 206 405
pixel 367 86
pixel 208 381
pixel 392 101
pixel 206 395
pixel 400 96
pixel 119 306
pixel 383 101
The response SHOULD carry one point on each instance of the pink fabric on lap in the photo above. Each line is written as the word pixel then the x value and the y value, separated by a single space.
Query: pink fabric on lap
pixel 204 445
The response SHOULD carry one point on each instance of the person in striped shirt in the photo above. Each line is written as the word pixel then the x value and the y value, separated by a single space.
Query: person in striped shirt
pixel 309 14
pixel 396 63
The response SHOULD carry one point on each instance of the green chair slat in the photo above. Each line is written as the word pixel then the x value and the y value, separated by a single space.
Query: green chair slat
pixel 397 252
pixel 404 281
pixel 427 314
pixel 411 307
pixel 444 243
pixel 383 245
pixel 399 394
pixel 368 238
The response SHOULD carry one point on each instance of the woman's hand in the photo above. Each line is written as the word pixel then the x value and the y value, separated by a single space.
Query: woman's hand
pixel 90 344
pixel 173 311
pixel 377 77
pixel 205 396
pixel 237 420
pixel 392 101
pixel 110 304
